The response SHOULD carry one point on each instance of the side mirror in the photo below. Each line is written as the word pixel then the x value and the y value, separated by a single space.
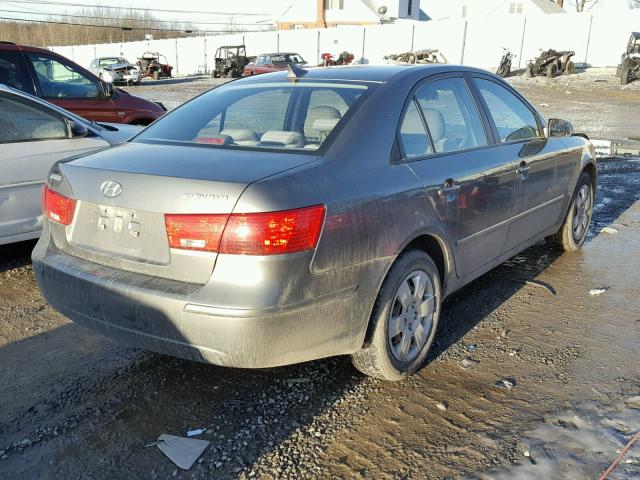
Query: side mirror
pixel 108 89
pixel 559 128
pixel 77 130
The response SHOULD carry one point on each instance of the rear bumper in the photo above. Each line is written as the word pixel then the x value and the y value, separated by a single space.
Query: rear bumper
pixel 159 315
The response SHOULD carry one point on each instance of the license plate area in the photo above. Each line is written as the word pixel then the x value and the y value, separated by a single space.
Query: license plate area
pixel 122 232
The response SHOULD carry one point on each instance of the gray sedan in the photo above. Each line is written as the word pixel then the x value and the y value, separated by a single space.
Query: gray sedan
pixel 293 216
pixel 35 134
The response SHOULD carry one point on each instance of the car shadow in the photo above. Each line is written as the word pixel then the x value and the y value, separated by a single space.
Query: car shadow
pixel 16 255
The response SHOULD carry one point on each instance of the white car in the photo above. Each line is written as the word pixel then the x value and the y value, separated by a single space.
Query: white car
pixel 116 70
pixel 35 134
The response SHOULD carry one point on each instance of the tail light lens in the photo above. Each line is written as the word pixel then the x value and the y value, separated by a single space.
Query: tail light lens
pixel 195 232
pixel 57 207
pixel 270 233
pixel 274 232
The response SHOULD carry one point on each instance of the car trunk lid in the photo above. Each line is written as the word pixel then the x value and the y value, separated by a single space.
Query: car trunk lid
pixel 124 193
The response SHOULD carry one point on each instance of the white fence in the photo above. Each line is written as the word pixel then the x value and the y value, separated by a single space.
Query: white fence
pixel 598 40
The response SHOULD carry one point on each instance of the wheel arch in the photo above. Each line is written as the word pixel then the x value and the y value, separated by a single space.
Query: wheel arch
pixel 434 245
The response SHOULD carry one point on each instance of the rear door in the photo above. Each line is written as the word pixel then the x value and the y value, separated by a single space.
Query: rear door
pixel 63 83
pixel 543 165
pixel 446 140
pixel 32 139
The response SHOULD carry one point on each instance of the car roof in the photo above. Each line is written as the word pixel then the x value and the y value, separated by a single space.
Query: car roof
pixel 14 46
pixel 367 73
pixel 273 54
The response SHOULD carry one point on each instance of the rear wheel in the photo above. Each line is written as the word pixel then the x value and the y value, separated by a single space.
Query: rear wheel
pixel 624 72
pixel 575 227
pixel 404 319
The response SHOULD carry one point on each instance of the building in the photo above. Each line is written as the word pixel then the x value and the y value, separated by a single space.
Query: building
pixel 444 9
pixel 331 13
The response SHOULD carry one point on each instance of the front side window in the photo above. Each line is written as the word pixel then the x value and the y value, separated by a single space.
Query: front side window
pixel 22 121
pixel 278 115
pixel 59 80
pixel 514 120
pixel 452 116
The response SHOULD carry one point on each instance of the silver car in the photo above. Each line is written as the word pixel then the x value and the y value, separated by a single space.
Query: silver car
pixel 292 216
pixel 116 70
pixel 34 135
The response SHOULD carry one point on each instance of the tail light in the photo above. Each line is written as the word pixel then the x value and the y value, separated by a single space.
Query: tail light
pixel 270 233
pixel 195 232
pixel 57 207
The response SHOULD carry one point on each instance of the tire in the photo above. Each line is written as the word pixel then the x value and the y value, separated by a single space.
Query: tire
pixel 624 73
pixel 569 238
pixel 156 74
pixel 618 70
pixel 569 68
pixel 503 71
pixel 393 357
pixel 551 70
pixel 529 71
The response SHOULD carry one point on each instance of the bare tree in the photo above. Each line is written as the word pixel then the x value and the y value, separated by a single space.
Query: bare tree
pixel 634 3
pixel 582 4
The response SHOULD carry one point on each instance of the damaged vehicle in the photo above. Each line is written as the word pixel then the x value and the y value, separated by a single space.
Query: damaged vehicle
pixel 551 63
pixel 116 70
pixel 423 56
pixel 629 68
pixel 34 135
pixel 231 61
pixel 291 216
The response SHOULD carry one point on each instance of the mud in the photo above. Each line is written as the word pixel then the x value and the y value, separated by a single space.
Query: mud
pixel 77 405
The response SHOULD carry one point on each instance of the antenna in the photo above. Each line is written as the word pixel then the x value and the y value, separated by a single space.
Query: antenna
pixel 295 71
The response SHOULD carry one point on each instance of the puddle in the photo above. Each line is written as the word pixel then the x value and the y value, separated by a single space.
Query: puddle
pixel 578 443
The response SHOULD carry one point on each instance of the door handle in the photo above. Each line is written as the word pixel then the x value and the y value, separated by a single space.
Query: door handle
pixel 523 170
pixel 448 188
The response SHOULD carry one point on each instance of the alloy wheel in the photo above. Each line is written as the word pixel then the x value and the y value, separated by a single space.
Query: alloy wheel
pixel 411 317
pixel 581 212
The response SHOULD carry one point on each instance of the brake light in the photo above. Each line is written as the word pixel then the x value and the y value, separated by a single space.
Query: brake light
pixel 195 232
pixel 268 233
pixel 273 233
pixel 57 207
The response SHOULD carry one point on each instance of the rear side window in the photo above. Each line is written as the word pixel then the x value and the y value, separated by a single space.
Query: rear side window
pixel 22 121
pixel 280 115
pixel 12 71
pixel 413 136
pixel 59 80
pixel 513 119
pixel 452 116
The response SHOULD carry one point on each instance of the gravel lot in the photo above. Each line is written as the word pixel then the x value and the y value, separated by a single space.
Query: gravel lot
pixel 77 405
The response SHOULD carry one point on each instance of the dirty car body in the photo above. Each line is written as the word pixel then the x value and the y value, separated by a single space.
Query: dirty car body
pixel 255 225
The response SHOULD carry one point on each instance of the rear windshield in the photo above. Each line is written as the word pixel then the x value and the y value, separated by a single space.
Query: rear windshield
pixel 276 115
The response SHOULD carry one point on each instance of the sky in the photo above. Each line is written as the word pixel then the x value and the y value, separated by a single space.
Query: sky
pixel 271 8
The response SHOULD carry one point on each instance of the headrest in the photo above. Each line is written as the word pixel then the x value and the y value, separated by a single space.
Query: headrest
pixel 286 138
pixel 324 112
pixel 435 122
pixel 240 134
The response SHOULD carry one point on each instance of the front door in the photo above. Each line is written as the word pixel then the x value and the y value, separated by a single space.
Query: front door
pixel 543 165
pixel 467 180
pixel 62 83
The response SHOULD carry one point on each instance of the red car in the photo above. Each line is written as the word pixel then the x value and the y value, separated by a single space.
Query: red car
pixel 60 81
pixel 272 62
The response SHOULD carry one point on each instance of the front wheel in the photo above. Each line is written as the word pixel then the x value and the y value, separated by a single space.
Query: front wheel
pixel 404 319
pixel 575 227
